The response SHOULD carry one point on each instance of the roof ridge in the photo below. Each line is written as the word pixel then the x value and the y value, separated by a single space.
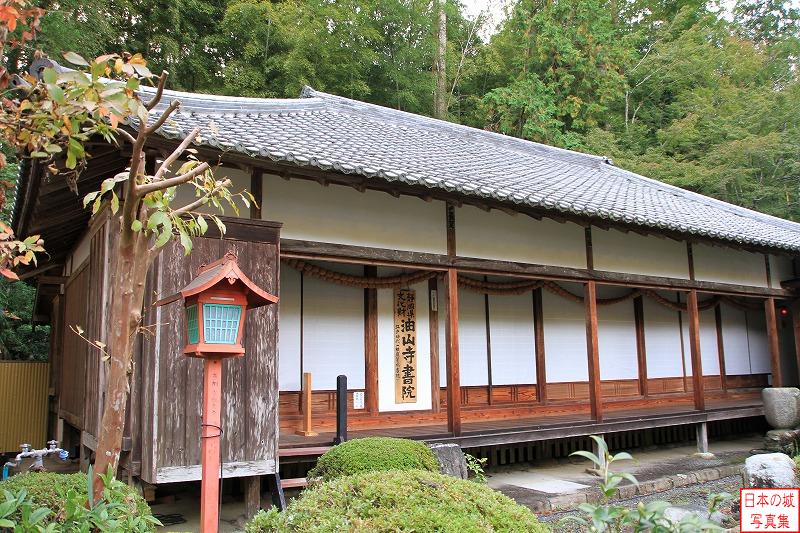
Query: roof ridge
pixel 507 141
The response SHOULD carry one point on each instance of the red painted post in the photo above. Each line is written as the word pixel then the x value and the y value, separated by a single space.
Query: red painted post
pixel 212 428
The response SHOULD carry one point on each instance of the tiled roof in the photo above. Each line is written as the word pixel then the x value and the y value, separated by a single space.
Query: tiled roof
pixel 330 132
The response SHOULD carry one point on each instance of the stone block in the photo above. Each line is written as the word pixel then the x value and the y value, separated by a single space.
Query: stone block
pixel 770 470
pixel 782 406
pixel 451 460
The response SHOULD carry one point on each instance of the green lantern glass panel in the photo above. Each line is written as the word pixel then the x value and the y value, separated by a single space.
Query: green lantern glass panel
pixel 191 323
pixel 221 323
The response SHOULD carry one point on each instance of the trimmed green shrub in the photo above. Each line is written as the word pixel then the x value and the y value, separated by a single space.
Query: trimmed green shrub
pixel 55 491
pixel 413 500
pixel 374 454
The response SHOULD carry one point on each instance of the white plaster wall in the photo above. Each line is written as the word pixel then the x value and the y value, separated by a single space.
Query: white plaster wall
pixel 498 235
pixel 781 269
pixel 386 384
pixel 616 337
pixel 662 337
pixel 728 265
pixel 474 365
pixel 333 333
pixel 757 342
pixel 709 355
pixel 564 337
pixel 342 215
pixel 512 339
pixel 289 331
pixel 709 349
pixel 632 253
pixel 734 341
pixel 240 181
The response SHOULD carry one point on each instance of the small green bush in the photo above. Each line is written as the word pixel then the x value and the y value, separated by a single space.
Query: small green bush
pixel 413 500
pixel 50 490
pixel 374 454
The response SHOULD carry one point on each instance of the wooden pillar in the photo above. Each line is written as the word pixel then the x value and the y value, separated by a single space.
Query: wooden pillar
pixel 252 496
pixel 641 349
pixel 307 406
pixel 796 328
pixel 694 346
pixel 702 437
pixel 210 444
pixel 720 347
pixel 433 327
pixel 774 343
pixel 256 189
pixel 451 344
pixel 488 344
pixel 538 332
pixel 371 343
pixel 593 351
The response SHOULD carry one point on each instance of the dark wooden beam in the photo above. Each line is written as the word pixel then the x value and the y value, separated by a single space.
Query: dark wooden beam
pixel 796 329
pixel 433 328
pixel 344 253
pixel 451 344
pixel 690 259
pixel 257 190
pixel 694 346
pixel 720 347
pixel 587 235
pixel 450 220
pixel 641 348
pixel 538 332
pixel 774 342
pixel 371 343
pixel 593 351
pixel 488 343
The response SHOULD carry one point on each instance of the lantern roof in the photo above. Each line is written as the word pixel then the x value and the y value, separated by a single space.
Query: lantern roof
pixel 225 269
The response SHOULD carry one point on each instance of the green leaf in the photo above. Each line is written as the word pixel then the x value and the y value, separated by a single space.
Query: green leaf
pixel 56 94
pixel 49 75
pixel 156 219
pixel 589 455
pixel 6 523
pixel 203 224
pixel 186 242
pixel 136 225
pixel 163 237
pixel 75 59
pixel 114 203
pixel 89 197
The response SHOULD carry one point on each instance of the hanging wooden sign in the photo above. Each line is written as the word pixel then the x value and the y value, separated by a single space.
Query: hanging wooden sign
pixel 405 346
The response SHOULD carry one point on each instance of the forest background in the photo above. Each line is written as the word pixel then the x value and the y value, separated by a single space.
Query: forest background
pixel 700 94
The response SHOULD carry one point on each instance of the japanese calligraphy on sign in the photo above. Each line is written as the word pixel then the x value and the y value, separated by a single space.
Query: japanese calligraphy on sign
pixel 770 510
pixel 405 346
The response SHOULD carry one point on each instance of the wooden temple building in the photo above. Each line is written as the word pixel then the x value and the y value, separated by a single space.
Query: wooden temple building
pixel 474 288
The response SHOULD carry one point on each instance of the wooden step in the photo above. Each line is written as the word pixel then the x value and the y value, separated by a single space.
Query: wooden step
pixel 294 483
pixel 314 451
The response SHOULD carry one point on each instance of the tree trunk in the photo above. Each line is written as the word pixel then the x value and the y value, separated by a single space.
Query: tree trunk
pixel 127 298
pixel 440 96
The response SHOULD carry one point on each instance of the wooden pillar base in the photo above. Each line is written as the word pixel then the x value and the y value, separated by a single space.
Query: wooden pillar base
pixel 702 438
pixel 252 496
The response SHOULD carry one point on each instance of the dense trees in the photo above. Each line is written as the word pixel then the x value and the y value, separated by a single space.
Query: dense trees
pixel 679 90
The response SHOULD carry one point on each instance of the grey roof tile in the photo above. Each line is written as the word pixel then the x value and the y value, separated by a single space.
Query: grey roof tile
pixel 331 132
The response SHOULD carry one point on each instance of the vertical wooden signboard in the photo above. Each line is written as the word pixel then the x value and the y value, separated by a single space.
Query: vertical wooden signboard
pixel 405 346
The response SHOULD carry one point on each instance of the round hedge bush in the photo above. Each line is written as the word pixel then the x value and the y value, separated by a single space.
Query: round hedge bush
pixel 413 500
pixel 372 454
pixel 47 489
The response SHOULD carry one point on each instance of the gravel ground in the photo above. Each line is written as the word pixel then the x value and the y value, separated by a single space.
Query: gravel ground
pixel 692 497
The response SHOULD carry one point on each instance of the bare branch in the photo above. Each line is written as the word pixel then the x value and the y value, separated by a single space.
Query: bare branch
pixel 171 182
pixel 162 80
pixel 176 153
pixel 128 137
pixel 202 200
pixel 173 105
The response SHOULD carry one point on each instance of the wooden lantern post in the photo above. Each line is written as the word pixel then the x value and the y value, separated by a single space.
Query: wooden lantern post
pixel 216 302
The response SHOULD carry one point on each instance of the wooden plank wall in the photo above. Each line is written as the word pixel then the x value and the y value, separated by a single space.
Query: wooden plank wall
pixel 172 384
pixel 72 365
pixel 95 326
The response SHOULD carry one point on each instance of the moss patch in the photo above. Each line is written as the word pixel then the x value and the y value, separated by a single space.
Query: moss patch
pixel 47 489
pixel 374 454
pixel 413 500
